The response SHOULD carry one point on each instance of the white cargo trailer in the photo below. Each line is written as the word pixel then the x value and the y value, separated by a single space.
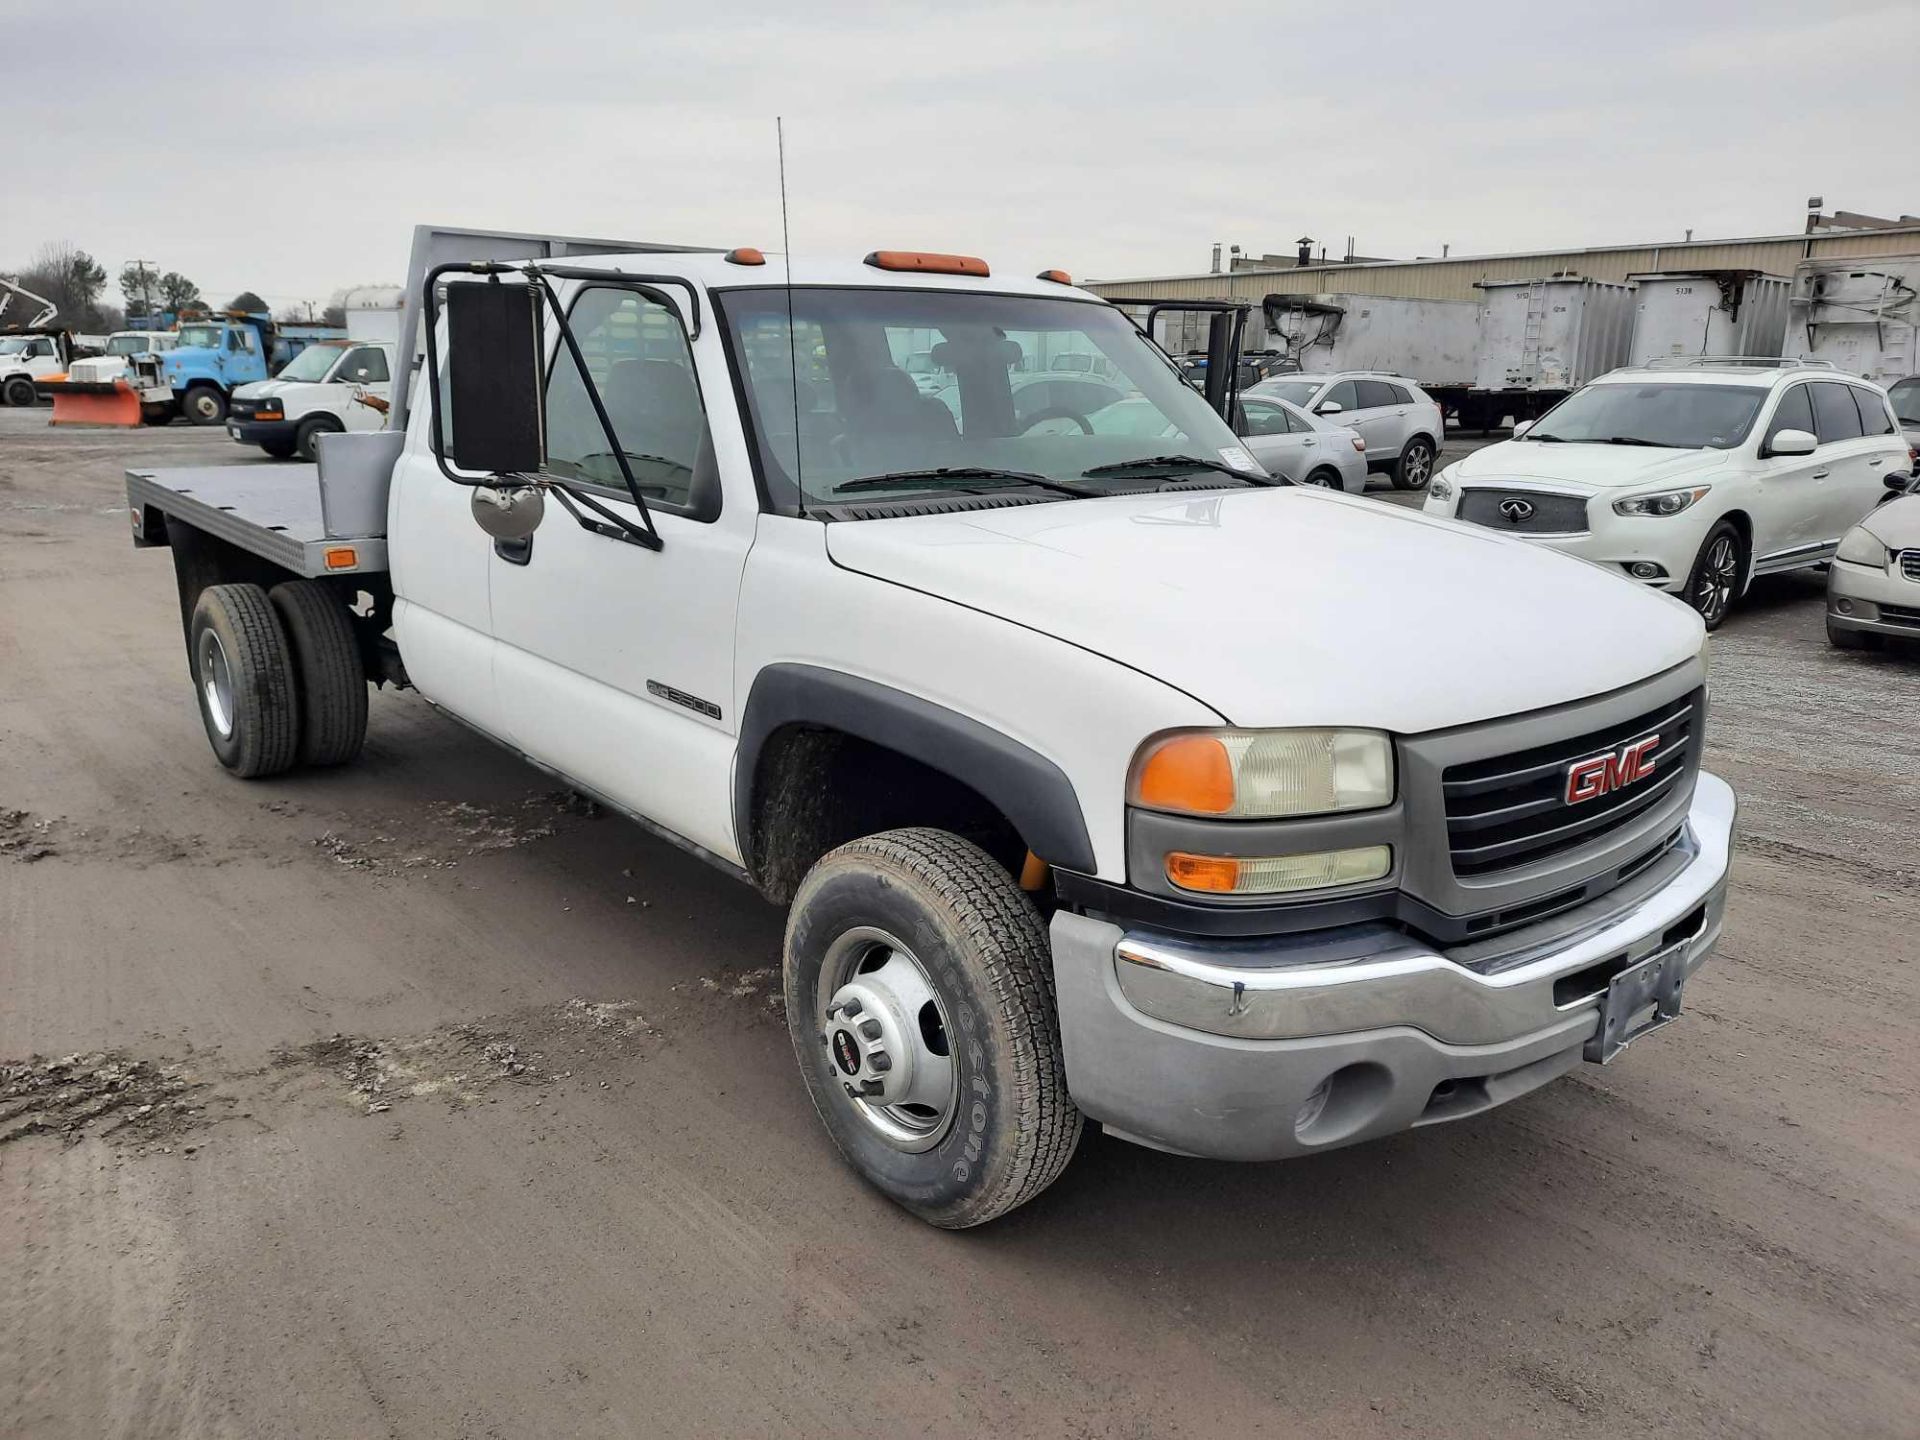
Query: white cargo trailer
pixel 1860 315
pixel 373 314
pixel 1432 341
pixel 1551 335
pixel 1707 312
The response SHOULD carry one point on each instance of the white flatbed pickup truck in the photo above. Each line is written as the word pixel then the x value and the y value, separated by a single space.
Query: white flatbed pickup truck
pixel 1104 779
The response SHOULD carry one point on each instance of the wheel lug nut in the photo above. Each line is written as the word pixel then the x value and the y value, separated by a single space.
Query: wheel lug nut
pixel 870 1028
pixel 851 1006
pixel 879 1062
pixel 871 1087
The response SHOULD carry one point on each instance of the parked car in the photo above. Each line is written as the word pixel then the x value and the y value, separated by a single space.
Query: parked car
pixel 322 391
pixel 1289 441
pixel 1400 422
pixel 1905 398
pixel 1873 589
pixel 1285 439
pixel 1691 478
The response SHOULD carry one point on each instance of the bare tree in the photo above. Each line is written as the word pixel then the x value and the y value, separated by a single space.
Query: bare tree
pixel 71 279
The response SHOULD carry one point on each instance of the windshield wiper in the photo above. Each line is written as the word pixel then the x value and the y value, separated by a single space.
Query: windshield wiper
pixel 1636 440
pixel 1545 439
pixel 635 455
pixel 1180 462
pixel 954 474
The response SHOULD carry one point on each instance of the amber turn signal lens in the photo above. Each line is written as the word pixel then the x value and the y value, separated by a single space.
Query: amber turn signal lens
pixel 1188 772
pixel 1058 277
pixel 1214 874
pixel 342 557
pixel 929 263
pixel 746 255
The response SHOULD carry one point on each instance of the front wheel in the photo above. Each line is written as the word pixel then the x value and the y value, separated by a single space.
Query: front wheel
pixel 204 405
pixel 919 990
pixel 1414 467
pixel 20 391
pixel 1851 639
pixel 1715 578
pixel 307 438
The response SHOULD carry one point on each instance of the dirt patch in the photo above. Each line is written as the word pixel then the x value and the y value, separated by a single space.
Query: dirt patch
pixel 454 830
pixel 106 1094
pixel 26 838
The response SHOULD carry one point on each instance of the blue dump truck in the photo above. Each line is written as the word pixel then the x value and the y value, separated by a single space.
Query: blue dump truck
pixel 214 357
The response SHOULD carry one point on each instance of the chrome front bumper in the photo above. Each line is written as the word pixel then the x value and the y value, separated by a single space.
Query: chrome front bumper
pixel 1226 1048
pixel 1874 599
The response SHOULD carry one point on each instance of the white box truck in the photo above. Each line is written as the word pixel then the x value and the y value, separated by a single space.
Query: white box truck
pixel 1541 340
pixel 1434 342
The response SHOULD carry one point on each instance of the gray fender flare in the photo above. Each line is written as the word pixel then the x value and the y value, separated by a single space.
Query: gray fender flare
pixel 1029 789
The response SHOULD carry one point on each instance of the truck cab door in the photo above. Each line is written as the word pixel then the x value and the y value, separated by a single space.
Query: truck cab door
pixel 614 663
pixel 364 375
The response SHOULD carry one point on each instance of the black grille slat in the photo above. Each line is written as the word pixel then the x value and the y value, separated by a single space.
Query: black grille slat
pixel 1910 564
pixel 1510 810
pixel 1552 514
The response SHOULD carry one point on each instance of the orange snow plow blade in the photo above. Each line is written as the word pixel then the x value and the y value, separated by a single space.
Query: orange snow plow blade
pixel 79 403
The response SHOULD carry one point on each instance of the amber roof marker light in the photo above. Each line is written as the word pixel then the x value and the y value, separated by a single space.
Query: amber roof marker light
pixel 746 255
pixel 1058 277
pixel 926 262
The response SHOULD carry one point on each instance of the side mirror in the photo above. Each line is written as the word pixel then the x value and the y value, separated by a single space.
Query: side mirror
pixel 362 373
pixel 1792 442
pixel 1900 481
pixel 1327 407
pixel 1522 428
pixel 508 512
pixel 497 422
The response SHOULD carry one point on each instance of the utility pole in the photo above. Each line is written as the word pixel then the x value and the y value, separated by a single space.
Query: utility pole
pixel 146 290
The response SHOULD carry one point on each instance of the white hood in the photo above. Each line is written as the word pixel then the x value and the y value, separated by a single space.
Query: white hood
pixel 1575 466
pixel 1895 524
pixel 267 389
pixel 1294 606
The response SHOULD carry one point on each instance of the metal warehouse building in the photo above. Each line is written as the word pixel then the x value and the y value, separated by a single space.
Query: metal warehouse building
pixel 1454 277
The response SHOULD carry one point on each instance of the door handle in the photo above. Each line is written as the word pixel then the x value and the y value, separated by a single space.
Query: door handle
pixel 514 552
pixel 1821 474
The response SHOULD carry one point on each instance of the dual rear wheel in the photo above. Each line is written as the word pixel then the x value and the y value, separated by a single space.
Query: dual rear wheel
pixel 278 676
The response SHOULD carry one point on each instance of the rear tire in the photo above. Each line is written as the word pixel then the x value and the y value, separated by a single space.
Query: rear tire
pixel 330 683
pixel 307 438
pixel 1714 582
pixel 204 405
pixel 1414 468
pixel 20 391
pixel 1325 479
pixel 243 680
pixel 966 993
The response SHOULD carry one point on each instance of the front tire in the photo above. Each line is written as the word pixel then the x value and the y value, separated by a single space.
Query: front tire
pixel 20 391
pixel 919 990
pixel 1851 639
pixel 1714 580
pixel 307 439
pixel 204 405
pixel 243 680
pixel 1414 468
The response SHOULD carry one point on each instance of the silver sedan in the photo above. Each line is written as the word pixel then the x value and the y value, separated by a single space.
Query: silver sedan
pixel 1290 442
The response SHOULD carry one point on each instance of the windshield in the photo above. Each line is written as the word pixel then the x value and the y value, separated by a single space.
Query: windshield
pixel 12 344
pixel 852 412
pixel 1676 417
pixel 203 337
pixel 312 363
pixel 129 345
pixel 1294 392
pixel 1906 401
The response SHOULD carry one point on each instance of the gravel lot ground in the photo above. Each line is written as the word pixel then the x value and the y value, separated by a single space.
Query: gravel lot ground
pixel 415 1100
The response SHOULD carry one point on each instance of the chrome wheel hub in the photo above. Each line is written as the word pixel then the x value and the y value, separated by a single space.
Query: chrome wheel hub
pixel 884 1034
pixel 1717 578
pixel 216 682
pixel 1419 464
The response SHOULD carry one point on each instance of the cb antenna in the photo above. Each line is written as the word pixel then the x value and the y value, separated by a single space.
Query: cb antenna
pixel 793 345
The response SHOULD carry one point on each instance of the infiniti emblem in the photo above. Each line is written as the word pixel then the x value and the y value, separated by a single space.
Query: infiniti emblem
pixel 1517 510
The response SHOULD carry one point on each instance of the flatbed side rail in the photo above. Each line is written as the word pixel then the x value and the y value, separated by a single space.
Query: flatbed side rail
pixel 272 512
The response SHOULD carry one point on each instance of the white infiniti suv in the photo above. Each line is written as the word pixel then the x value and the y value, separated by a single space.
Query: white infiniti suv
pixel 1691 478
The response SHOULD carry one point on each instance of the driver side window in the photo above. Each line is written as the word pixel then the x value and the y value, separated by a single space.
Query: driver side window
pixel 1266 419
pixel 1342 395
pixel 642 368
pixel 1794 412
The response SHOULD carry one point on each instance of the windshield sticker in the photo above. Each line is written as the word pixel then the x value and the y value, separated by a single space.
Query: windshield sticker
pixel 1238 458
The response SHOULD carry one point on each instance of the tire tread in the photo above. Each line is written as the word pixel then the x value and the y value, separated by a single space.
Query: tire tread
pixel 266 716
pixel 330 682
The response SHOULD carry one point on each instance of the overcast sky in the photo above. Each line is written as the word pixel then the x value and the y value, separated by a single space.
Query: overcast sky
pixel 289 149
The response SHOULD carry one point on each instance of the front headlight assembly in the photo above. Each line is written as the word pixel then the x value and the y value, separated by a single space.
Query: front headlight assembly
pixel 1667 502
pixel 1858 547
pixel 1441 488
pixel 1267 775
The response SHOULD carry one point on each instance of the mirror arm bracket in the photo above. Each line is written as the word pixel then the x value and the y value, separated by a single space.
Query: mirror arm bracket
pixel 612 525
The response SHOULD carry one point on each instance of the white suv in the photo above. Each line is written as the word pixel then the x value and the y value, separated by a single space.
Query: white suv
pixel 1400 422
pixel 1691 478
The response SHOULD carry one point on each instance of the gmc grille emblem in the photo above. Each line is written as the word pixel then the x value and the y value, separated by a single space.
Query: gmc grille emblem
pixel 1516 510
pixel 1599 775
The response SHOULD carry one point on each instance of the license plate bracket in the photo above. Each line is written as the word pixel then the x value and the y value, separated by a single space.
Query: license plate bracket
pixel 1639 1000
